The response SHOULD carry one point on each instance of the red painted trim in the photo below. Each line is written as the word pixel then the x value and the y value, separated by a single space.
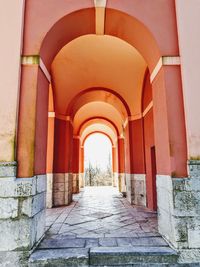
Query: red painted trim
pixel 101 118
pixel 100 132
pixel 74 100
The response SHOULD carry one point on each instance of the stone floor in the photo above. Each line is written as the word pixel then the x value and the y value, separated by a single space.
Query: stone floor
pixel 100 216
pixel 101 225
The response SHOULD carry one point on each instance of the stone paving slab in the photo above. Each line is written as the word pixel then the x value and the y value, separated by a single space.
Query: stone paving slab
pixel 62 243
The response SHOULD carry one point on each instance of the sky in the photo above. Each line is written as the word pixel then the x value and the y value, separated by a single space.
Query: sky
pixel 97 149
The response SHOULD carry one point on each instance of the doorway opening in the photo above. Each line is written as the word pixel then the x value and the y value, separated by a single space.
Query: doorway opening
pixel 98 160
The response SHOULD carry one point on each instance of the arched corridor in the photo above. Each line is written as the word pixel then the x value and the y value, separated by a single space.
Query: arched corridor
pixel 122 110
pixel 117 68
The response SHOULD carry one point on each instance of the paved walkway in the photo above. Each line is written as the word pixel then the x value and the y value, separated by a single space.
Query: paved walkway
pixel 100 216
pixel 100 228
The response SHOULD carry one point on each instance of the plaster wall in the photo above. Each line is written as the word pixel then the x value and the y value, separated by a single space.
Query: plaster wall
pixel 11 18
pixel 189 43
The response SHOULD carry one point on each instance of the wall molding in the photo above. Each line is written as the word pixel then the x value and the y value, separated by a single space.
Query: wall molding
pixel 138 116
pixel 45 70
pixel 63 118
pixel 100 3
pixel 164 61
pixel 36 60
pixel 51 114
pixel 147 109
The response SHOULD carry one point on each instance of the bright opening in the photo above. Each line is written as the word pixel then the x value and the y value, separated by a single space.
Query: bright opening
pixel 98 160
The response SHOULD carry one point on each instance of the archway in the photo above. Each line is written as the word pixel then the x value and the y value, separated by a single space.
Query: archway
pixel 132 27
pixel 98 159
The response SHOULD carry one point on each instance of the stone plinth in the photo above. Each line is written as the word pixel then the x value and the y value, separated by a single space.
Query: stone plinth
pixel 179 212
pixel 81 180
pixel 62 189
pixel 49 194
pixel 115 179
pixel 75 186
pixel 22 215
pixel 136 189
pixel 122 182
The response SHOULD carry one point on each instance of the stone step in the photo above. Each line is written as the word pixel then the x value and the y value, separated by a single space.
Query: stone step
pixel 104 256
pixel 116 256
pixel 72 257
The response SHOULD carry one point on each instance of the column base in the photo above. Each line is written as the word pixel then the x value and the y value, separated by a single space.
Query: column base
pixel 136 189
pixel 22 217
pixel 62 189
pixel 82 180
pixel 49 198
pixel 179 212
pixel 75 186
pixel 115 179
pixel 122 183
pixel 14 258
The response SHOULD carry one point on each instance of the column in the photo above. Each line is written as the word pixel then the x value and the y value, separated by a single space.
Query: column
pixel 121 165
pixel 76 158
pixel 137 162
pixel 114 166
pixel 81 167
pixel 62 167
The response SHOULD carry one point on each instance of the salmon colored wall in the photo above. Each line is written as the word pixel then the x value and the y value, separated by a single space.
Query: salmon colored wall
pixel 137 27
pixel 76 155
pixel 63 145
pixel 137 164
pixel 33 122
pixel 127 149
pixel 114 159
pixel 26 122
pixel 51 99
pixel 119 22
pixel 121 155
pixel 147 91
pixel 169 123
pixel 149 142
pixel 42 16
pixel 41 130
pixel 81 160
pixel 11 25
pixel 189 43
pixel 50 144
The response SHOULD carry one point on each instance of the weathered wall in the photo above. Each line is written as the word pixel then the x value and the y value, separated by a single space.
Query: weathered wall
pixel 11 19
pixel 179 213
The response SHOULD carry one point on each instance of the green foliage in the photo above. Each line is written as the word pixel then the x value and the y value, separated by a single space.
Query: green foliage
pixel 95 176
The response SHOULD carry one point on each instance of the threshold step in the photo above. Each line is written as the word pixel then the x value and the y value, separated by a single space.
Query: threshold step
pixel 60 257
pixel 116 256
